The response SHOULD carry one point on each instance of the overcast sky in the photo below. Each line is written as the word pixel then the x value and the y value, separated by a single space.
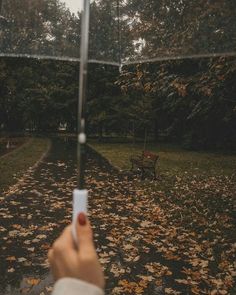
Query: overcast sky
pixel 74 5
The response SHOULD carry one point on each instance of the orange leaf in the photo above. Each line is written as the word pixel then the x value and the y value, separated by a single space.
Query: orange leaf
pixel 11 258
pixel 33 281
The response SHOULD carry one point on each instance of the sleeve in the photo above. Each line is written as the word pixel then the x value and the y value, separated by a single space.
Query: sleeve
pixel 71 286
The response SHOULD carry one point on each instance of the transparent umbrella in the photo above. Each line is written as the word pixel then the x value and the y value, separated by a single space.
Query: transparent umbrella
pixel 121 31
pixel 115 32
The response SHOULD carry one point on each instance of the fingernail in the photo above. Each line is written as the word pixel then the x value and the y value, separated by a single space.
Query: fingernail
pixel 82 219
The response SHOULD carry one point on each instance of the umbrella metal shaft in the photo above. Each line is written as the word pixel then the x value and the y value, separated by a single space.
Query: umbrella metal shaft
pixel 82 92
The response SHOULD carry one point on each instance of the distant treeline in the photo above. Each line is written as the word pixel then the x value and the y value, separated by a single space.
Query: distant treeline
pixel 189 101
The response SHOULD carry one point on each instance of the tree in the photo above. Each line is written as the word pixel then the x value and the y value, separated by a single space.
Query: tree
pixel 104 98
pixel 141 113
pixel 39 28
pixel 179 28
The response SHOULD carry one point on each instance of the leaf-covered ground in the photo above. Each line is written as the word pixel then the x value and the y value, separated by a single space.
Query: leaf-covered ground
pixel 152 237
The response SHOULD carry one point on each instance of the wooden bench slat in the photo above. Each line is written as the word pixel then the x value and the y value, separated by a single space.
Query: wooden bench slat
pixel 147 160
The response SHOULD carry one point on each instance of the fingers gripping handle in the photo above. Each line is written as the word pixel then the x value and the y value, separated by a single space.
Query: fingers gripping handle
pixel 80 203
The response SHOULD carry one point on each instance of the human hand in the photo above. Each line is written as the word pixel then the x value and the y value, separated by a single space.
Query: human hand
pixel 66 260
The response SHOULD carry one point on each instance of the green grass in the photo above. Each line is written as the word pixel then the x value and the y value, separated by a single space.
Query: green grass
pixel 19 160
pixel 16 141
pixel 173 159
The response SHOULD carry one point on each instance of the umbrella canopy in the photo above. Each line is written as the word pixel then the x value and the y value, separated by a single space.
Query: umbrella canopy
pixel 121 31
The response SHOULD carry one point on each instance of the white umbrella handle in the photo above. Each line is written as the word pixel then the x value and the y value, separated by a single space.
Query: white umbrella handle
pixel 80 204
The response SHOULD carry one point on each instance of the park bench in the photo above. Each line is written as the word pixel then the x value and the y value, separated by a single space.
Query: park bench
pixel 147 161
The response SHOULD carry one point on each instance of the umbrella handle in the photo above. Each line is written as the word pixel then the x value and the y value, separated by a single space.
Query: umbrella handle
pixel 80 203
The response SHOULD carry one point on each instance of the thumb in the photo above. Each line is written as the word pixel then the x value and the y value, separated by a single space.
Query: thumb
pixel 84 233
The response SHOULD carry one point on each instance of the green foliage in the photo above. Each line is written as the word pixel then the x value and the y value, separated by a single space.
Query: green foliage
pixel 38 95
pixel 105 105
pixel 180 28
pixel 193 105
pixel 39 28
pixel 190 101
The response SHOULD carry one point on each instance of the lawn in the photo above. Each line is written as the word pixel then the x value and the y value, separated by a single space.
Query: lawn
pixel 173 159
pixel 15 163
pixel 194 206
pixel 7 144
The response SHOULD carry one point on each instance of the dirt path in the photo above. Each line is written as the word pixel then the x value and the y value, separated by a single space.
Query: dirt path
pixel 138 247
pixel 33 216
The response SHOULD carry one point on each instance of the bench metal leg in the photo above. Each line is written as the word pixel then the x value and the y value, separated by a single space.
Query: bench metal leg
pixel 142 173
pixel 155 176
pixel 132 168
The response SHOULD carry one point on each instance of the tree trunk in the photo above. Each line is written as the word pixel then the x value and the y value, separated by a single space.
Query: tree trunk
pixel 133 133
pixel 145 139
pixel 156 130
pixel 100 133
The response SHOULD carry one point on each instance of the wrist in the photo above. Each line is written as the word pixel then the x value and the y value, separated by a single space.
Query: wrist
pixel 75 286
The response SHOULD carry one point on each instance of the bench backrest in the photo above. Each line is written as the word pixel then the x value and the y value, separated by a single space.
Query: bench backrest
pixel 149 155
